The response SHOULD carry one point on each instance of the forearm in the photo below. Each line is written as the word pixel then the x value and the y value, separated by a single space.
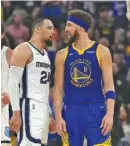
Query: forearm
pixel 15 74
pixel 57 101
pixel 110 106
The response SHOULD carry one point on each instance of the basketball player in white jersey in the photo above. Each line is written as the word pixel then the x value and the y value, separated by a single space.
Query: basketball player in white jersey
pixel 5 59
pixel 30 67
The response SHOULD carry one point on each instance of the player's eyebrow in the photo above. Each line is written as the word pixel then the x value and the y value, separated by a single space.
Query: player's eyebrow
pixel 50 27
pixel 69 23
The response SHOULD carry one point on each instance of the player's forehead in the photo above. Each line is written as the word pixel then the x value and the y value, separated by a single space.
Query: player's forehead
pixel 48 23
pixel 69 23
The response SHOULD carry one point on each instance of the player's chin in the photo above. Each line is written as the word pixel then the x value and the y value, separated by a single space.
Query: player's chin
pixel 49 42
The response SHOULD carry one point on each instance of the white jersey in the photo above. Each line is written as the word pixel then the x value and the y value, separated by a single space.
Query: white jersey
pixel 4 69
pixel 5 132
pixel 36 77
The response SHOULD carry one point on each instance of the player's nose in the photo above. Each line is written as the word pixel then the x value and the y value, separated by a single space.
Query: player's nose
pixel 53 32
pixel 66 29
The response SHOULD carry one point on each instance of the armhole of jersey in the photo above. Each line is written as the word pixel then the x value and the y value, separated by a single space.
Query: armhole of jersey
pixel 66 53
pixel 31 53
pixel 98 55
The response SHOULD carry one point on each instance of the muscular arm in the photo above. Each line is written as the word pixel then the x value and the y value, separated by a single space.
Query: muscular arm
pixel 106 67
pixel 58 83
pixel 18 60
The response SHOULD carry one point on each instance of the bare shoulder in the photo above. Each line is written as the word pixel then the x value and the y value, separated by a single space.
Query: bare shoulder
pixel 21 54
pixel 104 51
pixel 22 48
pixel 61 54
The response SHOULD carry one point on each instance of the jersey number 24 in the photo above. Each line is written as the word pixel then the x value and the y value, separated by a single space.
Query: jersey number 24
pixel 45 77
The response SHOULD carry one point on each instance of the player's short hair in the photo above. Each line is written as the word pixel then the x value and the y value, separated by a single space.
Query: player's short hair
pixel 34 24
pixel 82 15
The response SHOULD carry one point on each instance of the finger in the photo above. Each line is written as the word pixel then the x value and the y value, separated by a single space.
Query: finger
pixel 104 127
pixel 2 99
pixel 17 129
pixel 102 124
pixel 108 129
pixel 59 131
pixel 62 130
pixel 64 127
pixel 12 127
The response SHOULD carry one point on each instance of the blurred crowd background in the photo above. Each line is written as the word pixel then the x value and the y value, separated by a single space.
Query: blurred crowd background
pixel 110 27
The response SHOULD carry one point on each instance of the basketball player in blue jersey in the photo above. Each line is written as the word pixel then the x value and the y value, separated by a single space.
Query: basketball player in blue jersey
pixel 82 71
pixel 30 67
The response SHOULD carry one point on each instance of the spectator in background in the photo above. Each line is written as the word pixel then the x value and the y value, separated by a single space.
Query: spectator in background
pixel 17 30
pixel 118 58
pixel 125 120
pixel 105 26
pixel 122 86
pixel 35 13
pixel 117 132
pixel 118 10
pixel 52 11
pixel 104 41
pixel 7 9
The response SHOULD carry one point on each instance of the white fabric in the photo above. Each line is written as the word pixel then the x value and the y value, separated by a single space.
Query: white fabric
pixel 49 109
pixel 4 70
pixel 34 74
pixel 38 121
pixel 5 109
pixel 5 136
pixel 15 75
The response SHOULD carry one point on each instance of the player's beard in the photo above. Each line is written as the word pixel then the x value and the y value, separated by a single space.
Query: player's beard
pixel 48 42
pixel 73 38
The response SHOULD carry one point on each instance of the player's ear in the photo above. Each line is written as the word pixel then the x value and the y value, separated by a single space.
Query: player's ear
pixel 79 28
pixel 37 30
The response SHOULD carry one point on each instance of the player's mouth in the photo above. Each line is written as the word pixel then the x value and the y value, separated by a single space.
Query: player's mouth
pixel 52 37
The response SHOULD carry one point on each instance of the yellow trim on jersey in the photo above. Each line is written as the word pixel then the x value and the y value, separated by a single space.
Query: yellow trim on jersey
pixel 66 53
pixel 98 56
pixel 80 52
pixel 105 143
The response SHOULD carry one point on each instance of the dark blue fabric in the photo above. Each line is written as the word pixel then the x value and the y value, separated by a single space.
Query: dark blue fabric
pixel 79 22
pixel 85 121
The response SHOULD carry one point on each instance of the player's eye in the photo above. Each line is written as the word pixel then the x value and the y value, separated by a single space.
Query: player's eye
pixel 69 24
pixel 49 27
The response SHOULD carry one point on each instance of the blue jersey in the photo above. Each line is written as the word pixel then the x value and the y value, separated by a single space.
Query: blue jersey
pixel 83 75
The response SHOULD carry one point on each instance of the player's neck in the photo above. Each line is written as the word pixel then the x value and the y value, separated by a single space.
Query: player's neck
pixel 37 43
pixel 82 41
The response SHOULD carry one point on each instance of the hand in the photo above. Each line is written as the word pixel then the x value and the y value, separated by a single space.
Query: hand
pixel 5 98
pixel 15 122
pixel 61 127
pixel 52 125
pixel 107 123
